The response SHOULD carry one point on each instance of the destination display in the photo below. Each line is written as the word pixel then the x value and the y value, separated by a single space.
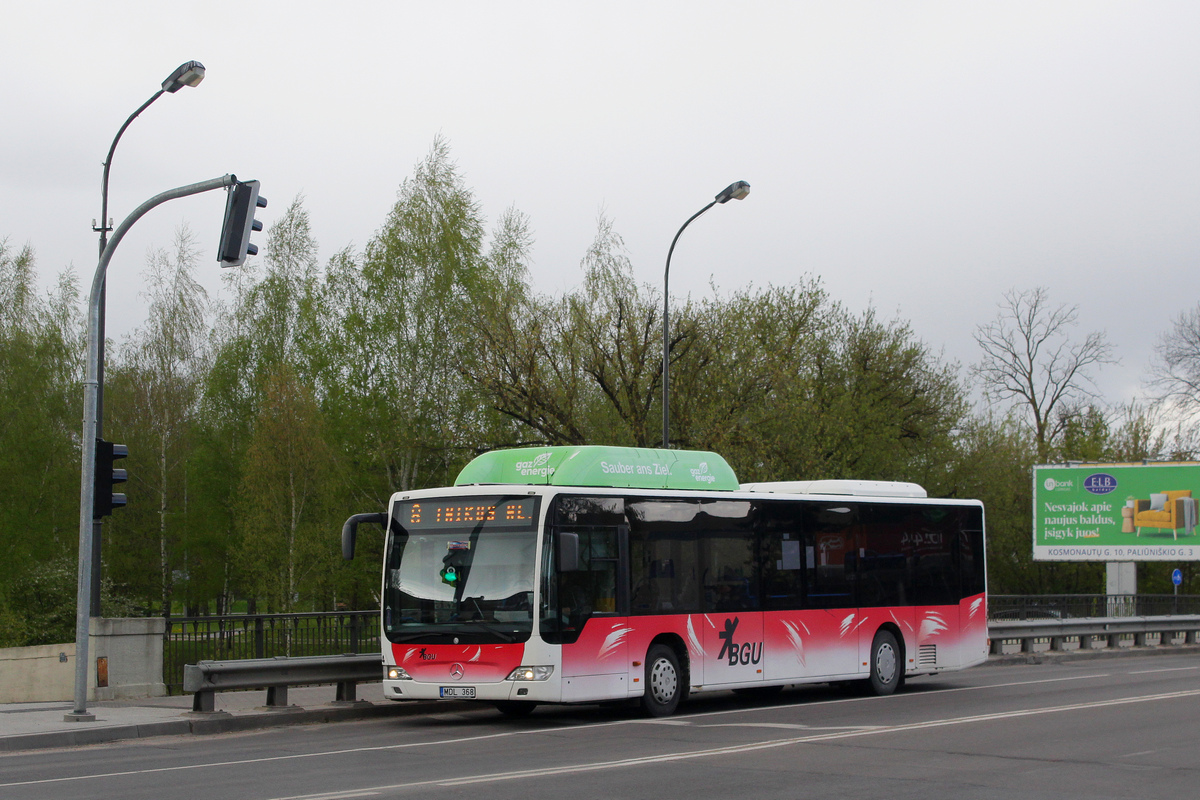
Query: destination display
pixel 1117 512
pixel 493 513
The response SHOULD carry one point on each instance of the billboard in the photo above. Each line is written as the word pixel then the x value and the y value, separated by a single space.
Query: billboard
pixel 1117 512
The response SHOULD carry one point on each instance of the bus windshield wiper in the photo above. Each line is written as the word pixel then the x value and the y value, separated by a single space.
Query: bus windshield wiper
pixel 409 637
pixel 482 622
pixel 506 636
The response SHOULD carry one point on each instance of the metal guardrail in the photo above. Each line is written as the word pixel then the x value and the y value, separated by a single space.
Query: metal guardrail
pixel 277 674
pixel 1070 606
pixel 1089 631
pixel 190 640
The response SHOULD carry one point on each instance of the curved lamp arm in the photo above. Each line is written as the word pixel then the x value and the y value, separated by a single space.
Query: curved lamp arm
pixel 734 191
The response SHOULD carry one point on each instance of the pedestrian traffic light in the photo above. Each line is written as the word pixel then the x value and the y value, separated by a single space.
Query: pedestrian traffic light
pixel 104 499
pixel 240 205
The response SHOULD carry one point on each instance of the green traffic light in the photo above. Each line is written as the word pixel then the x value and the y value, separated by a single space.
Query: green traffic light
pixel 449 575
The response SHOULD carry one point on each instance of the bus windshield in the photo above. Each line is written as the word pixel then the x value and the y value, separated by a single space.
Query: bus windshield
pixel 461 570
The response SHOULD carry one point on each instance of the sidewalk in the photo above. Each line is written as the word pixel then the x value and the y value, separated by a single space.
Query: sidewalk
pixel 33 726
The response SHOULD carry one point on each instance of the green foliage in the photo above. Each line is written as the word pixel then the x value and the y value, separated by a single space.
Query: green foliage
pixel 318 390
pixel 152 396
pixel 45 594
pixel 40 418
pixel 289 474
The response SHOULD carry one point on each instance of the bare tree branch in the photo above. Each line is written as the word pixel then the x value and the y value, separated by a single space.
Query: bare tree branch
pixel 1030 360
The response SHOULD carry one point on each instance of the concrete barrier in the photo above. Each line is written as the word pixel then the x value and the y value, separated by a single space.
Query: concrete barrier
pixel 41 674
pixel 131 651
pixel 127 661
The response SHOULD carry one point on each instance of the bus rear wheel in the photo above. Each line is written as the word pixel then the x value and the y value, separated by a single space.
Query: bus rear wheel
pixel 664 682
pixel 887 667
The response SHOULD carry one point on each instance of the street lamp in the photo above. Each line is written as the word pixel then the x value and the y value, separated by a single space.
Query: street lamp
pixel 189 73
pixel 734 191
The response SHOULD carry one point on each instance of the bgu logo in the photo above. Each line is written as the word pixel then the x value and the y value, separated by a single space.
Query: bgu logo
pixel 426 656
pixel 744 653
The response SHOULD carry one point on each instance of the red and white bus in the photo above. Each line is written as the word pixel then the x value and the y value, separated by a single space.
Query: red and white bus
pixel 591 574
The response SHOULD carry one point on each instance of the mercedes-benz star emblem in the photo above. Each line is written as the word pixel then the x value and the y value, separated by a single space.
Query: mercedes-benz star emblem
pixel 456 671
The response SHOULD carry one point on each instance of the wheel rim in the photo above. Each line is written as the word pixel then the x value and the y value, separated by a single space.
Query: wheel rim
pixel 663 680
pixel 885 663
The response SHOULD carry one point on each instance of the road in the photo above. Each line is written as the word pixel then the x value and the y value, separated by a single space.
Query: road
pixel 1119 727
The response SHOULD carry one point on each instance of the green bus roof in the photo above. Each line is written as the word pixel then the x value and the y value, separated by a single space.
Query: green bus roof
pixel 592 465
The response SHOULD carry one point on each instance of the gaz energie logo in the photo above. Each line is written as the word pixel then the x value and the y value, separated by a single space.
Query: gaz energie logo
pixel 537 466
pixel 701 473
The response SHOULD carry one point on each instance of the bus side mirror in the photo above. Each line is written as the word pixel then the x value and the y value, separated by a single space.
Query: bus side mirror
pixel 350 530
pixel 568 552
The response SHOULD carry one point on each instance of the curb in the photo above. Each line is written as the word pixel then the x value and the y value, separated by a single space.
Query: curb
pixel 1059 656
pixel 85 736
pixel 196 724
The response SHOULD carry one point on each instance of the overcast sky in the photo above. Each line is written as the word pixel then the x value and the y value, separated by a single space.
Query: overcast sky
pixel 922 158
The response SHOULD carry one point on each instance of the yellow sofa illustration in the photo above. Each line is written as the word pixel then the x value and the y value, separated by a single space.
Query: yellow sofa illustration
pixel 1167 511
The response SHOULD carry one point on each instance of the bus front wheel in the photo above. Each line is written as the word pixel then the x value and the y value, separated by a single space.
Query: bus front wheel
pixel 515 708
pixel 887 667
pixel 664 682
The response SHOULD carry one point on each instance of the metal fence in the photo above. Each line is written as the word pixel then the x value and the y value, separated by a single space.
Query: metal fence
pixel 1073 606
pixel 190 640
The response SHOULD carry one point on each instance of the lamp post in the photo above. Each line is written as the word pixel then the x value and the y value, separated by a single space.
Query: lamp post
pixel 734 191
pixel 189 73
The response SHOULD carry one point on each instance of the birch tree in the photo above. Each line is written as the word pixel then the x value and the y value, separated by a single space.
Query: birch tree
pixel 155 390
pixel 409 310
pixel 265 328
pixel 286 479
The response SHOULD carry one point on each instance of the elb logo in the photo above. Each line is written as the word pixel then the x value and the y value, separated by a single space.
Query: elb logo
pixel 745 653
pixel 1100 483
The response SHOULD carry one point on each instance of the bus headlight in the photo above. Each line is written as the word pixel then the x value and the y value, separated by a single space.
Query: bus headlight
pixel 398 674
pixel 530 673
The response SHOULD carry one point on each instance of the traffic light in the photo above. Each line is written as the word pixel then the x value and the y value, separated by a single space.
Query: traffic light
pixel 455 564
pixel 104 499
pixel 240 206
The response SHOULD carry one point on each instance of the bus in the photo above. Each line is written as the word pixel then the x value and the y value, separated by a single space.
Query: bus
pixel 591 574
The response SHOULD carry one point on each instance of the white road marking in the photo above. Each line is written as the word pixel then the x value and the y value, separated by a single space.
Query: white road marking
pixel 572 769
pixel 505 734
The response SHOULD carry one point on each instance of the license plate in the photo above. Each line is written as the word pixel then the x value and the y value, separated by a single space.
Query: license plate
pixel 462 692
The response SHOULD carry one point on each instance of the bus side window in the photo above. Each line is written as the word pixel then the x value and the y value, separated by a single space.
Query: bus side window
pixel 829 554
pixel 934 541
pixel 782 548
pixel 578 595
pixel 970 554
pixel 884 569
pixel 664 557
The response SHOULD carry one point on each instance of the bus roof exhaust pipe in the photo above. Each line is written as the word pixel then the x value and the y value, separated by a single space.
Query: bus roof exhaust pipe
pixel 350 530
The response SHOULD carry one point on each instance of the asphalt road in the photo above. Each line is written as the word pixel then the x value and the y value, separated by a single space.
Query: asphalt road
pixel 1121 727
